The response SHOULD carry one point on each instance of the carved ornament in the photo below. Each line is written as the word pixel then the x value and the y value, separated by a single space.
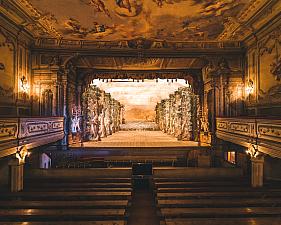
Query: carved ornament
pixel 42 23
pixel 6 92
pixel 262 134
pixel 235 27
pixel 8 130
pixel 276 69
pixel 271 131
pixel 2 66
pixel 273 95
pixel 136 44
pixel 40 126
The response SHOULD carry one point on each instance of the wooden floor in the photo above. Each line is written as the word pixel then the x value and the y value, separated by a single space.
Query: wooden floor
pixel 140 139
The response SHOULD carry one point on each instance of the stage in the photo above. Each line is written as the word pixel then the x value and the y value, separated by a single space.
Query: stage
pixel 140 140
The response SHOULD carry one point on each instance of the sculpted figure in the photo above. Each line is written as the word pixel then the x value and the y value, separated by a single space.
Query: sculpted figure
pixel 95 136
pixel 75 128
pixel 102 130
pixel 128 8
pixel 75 125
pixel 107 121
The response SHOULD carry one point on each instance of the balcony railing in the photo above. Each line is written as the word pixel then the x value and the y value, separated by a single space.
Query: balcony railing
pixel 265 133
pixel 29 131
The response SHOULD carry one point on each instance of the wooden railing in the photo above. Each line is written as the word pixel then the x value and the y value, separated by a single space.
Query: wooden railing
pixel 265 133
pixel 29 131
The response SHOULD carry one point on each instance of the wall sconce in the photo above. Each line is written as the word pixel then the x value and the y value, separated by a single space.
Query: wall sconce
pixel 24 84
pixel 253 151
pixel 2 66
pixel 21 154
pixel 250 87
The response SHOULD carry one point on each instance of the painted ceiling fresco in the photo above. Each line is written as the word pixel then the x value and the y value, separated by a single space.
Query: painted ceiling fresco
pixel 171 20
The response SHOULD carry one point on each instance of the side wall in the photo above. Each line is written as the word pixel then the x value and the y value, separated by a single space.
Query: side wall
pixel 264 71
pixel 15 70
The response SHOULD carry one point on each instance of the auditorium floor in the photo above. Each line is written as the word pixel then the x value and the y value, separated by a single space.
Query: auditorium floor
pixel 140 139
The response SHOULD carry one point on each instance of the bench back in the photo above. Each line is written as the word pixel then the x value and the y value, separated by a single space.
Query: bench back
pixel 197 173
pixel 79 173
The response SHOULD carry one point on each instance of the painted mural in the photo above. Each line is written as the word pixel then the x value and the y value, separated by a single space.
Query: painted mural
pixel 183 20
pixel 140 98
pixel 7 74
pixel 265 70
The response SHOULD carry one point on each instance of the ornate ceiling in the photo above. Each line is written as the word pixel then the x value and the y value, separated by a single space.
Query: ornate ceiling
pixel 171 20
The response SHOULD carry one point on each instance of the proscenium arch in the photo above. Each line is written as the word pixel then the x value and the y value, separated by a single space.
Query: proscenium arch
pixel 81 73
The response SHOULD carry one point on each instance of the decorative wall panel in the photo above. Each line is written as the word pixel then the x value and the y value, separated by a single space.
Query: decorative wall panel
pixel 7 70
pixel 31 132
pixel 265 133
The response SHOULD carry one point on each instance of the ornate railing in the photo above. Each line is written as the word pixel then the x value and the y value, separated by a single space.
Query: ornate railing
pixel 265 133
pixel 30 131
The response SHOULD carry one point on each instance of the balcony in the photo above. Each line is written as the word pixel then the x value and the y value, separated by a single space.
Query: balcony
pixel 265 133
pixel 30 131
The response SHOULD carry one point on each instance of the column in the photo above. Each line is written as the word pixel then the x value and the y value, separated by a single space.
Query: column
pixel 65 111
pixel 257 171
pixel 16 175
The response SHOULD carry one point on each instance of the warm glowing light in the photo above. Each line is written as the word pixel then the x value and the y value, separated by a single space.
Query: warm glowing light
pixel 24 84
pixel 21 154
pixel 239 92
pixel 250 87
pixel 253 151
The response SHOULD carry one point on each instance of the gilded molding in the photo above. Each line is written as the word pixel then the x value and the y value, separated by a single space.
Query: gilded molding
pixel 135 44
pixel 249 21
pixel 39 126
pixel 31 132
pixel 242 131
pixel 8 129
pixel 45 21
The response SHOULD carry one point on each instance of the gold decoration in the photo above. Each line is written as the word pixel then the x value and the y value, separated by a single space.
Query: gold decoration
pixel 21 154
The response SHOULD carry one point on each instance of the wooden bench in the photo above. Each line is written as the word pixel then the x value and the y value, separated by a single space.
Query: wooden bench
pixel 142 158
pixel 187 183
pixel 97 180
pixel 83 189
pixel 84 174
pixel 198 173
pixel 44 185
pixel 220 212
pixel 107 222
pixel 102 204
pixel 215 195
pixel 61 215
pixel 66 195
pixel 181 203
pixel 224 221
pixel 214 189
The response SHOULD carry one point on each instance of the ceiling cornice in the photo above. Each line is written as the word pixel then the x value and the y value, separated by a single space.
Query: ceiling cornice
pixel 138 47
pixel 41 20
pixel 251 19
pixel 24 15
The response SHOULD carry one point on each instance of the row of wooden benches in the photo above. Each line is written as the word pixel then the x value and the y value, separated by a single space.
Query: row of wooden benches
pixel 185 202
pixel 122 161
pixel 66 201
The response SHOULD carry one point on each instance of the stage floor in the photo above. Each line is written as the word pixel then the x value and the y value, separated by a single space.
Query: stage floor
pixel 139 139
